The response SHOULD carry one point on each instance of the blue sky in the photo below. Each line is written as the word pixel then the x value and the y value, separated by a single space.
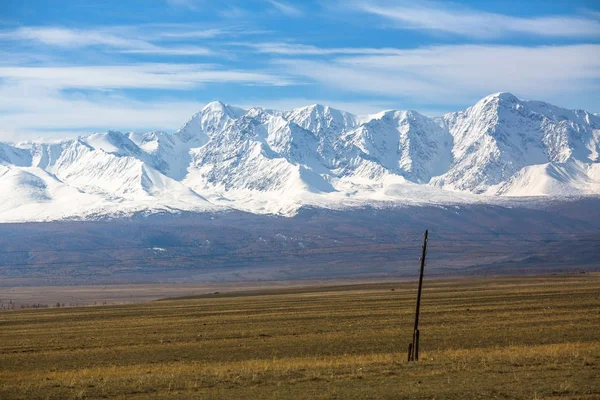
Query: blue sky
pixel 72 67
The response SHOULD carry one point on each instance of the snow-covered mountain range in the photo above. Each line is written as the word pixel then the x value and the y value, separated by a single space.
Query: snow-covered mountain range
pixel 268 161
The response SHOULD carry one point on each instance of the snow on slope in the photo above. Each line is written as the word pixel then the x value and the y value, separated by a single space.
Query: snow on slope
pixel 552 179
pixel 14 155
pixel 29 193
pixel 102 174
pixel 213 118
pixel 501 134
pixel 406 143
pixel 259 152
pixel 269 161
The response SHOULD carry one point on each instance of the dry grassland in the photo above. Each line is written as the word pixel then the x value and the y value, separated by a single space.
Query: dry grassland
pixel 508 338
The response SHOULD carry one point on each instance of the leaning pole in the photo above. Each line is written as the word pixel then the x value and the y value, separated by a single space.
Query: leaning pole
pixel 413 348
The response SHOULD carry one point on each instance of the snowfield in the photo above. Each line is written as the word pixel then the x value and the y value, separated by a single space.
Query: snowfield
pixel 267 161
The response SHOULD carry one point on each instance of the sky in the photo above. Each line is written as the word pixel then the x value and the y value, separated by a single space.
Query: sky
pixel 74 67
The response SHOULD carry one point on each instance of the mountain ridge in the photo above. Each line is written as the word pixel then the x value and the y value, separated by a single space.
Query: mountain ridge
pixel 269 161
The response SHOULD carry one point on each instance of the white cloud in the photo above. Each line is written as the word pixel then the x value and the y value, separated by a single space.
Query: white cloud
pixel 460 73
pixel 234 12
pixel 172 51
pixel 33 100
pixel 293 49
pixel 41 98
pixel 29 112
pixel 144 76
pixel 286 9
pixel 64 37
pixel 463 21
pixel 38 100
pixel 122 39
pixel 346 77
pixel 195 34
pixel 193 5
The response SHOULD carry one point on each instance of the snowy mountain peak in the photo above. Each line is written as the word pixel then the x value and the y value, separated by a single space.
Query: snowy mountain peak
pixel 270 161
pixel 406 143
pixel 503 96
pixel 321 119
pixel 111 142
pixel 212 118
pixel 218 107
pixel 500 135
pixel 398 115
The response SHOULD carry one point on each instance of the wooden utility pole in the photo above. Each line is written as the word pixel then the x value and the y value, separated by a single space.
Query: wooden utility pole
pixel 413 348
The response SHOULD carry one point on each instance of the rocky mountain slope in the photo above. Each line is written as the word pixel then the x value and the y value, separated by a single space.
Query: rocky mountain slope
pixel 268 161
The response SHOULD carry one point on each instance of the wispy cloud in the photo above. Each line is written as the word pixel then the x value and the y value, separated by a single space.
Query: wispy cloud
pixel 234 12
pixel 295 49
pixel 59 115
pixel 64 37
pixel 460 72
pixel 138 76
pixel 182 32
pixel 171 51
pixel 286 8
pixel 195 34
pixel 193 5
pixel 119 39
pixel 83 76
pixel 463 21
pixel 30 112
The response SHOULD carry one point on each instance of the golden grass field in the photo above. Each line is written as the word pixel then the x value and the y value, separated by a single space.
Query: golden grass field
pixel 507 338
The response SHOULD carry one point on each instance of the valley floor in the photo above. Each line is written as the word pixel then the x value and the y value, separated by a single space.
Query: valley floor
pixel 511 338
pixel 24 297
